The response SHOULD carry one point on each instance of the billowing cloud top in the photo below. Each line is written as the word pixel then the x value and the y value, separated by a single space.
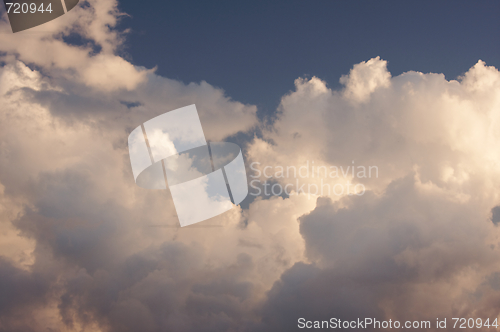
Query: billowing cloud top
pixel 84 249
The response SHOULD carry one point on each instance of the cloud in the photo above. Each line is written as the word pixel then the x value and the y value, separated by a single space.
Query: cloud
pixel 411 254
pixel 85 249
pixel 365 78
pixel 446 129
pixel 44 46
pixel 420 243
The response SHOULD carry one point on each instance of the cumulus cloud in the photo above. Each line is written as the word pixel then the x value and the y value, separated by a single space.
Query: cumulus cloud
pixel 445 129
pixel 85 249
pixel 420 243
pixel 365 78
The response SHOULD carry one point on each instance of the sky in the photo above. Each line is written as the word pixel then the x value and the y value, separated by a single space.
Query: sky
pixel 255 50
pixel 384 135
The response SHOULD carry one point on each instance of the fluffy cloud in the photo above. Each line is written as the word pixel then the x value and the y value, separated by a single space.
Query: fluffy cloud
pixel 84 249
pixel 420 243
pixel 44 46
pixel 365 78
pixel 447 130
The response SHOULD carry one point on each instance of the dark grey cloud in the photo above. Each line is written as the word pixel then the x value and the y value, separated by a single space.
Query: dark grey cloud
pixel 315 294
pixel 382 256
pixel 495 215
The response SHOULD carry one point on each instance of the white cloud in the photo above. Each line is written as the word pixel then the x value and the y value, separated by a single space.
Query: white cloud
pixel 44 46
pixel 421 242
pixel 84 248
pixel 365 78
